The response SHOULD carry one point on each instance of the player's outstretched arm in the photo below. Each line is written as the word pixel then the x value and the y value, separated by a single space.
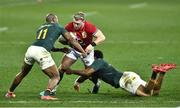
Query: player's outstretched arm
pixel 64 50
pixel 86 72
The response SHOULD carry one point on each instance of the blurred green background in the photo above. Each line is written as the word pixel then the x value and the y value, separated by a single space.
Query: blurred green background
pixel 138 33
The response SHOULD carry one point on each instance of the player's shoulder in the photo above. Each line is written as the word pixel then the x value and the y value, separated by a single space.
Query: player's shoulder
pixel 54 25
pixel 58 27
pixel 97 63
pixel 88 23
pixel 99 60
pixel 69 26
pixel 89 27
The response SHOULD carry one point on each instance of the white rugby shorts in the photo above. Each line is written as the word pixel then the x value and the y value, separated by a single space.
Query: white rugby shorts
pixel 40 55
pixel 130 81
pixel 88 60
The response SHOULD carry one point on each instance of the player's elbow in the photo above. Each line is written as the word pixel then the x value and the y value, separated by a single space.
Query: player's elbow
pixel 85 74
pixel 88 74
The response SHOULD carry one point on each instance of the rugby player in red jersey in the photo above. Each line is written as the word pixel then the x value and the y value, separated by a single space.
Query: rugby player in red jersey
pixel 88 36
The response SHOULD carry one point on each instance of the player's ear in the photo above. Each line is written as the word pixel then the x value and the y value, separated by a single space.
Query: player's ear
pixel 54 19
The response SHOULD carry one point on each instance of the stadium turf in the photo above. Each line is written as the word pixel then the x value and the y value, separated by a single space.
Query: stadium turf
pixel 138 33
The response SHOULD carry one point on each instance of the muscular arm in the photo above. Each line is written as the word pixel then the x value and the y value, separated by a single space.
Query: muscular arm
pixel 85 73
pixel 74 42
pixel 64 50
pixel 99 37
pixel 81 79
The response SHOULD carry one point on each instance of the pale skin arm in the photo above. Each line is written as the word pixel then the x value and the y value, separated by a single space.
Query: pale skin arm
pixel 99 39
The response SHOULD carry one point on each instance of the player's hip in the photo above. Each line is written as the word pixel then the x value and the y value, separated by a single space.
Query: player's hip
pixel 130 81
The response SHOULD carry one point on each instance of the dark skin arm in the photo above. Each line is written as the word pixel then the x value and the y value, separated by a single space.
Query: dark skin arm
pixel 64 50
pixel 85 73
pixel 81 79
pixel 75 43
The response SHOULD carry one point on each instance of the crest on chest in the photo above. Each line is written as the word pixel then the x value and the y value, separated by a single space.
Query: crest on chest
pixel 80 35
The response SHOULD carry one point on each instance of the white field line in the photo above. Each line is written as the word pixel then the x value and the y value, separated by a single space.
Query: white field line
pixel 138 5
pixel 62 101
pixel 2 29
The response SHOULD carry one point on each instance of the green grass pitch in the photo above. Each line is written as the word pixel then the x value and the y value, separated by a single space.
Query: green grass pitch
pixel 138 33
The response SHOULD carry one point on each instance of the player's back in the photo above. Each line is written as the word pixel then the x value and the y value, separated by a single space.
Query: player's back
pixel 106 72
pixel 47 34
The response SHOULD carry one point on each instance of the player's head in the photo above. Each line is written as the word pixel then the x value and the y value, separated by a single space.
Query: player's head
pixel 51 18
pixel 78 20
pixel 98 54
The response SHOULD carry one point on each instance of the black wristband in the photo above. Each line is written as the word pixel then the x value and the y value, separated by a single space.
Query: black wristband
pixel 93 44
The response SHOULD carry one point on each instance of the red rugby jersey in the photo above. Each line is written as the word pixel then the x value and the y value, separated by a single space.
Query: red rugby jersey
pixel 83 35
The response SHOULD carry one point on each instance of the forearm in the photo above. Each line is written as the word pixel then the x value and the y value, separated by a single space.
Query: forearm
pixel 64 50
pixel 55 49
pixel 85 74
pixel 80 72
pixel 76 44
pixel 81 79
pixel 99 37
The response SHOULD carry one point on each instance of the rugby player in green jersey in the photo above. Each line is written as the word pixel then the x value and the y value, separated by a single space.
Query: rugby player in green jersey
pixel 39 52
pixel 88 35
pixel 129 81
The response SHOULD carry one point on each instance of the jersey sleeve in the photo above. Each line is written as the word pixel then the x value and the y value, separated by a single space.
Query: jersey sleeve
pixel 91 28
pixel 97 64
pixel 62 30
pixel 69 27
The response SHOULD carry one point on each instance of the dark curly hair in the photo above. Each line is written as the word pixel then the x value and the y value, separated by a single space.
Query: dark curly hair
pixel 50 17
pixel 98 54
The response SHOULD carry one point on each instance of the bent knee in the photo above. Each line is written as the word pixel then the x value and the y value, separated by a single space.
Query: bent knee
pixel 63 68
pixel 55 76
